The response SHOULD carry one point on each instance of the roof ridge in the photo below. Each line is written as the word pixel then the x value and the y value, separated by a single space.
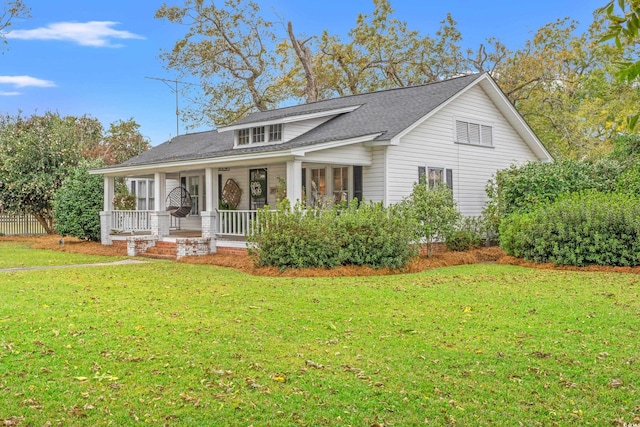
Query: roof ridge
pixel 370 93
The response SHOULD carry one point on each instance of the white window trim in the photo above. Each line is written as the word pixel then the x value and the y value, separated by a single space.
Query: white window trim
pixel 148 197
pixel 201 191
pixel 267 135
pixel 476 122
pixel 440 167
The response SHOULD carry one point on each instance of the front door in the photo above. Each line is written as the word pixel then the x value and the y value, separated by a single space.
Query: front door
pixel 257 188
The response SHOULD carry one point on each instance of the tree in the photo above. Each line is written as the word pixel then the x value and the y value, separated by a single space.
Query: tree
pixel 382 52
pixel 121 142
pixel 11 10
pixel 561 82
pixel 78 202
pixel 624 27
pixel 36 154
pixel 231 50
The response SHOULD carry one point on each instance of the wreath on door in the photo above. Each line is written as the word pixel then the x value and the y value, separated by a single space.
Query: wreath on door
pixel 257 188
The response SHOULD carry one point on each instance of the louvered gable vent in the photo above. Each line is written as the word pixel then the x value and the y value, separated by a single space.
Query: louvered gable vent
pixel 474 133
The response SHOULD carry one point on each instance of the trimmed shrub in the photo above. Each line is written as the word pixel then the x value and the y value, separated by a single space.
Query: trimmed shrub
pixel 577 229
pixel 374 236
pixel 629 180
pixel 470 233
pixel 519 189
pixel 304 237
pixel 77 204
pixel 433 211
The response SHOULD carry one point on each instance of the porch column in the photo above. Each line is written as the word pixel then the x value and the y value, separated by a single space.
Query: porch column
pixel 107 206
pixel 109 192
pixel 160 218
pixel 160 191
pixel 160 223
pixel 211 189
pixel 210 215
pixel 294 181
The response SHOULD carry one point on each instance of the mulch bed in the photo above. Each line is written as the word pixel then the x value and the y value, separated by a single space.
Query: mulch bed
pixel 244 263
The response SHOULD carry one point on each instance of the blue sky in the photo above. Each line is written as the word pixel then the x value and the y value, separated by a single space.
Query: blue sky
pixel 91 57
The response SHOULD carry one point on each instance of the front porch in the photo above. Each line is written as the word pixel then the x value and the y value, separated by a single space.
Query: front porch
pixel 224 202
pixel 225 231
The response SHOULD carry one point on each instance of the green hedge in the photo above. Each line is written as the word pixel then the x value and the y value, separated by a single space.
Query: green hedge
pixel 521 188
pixel 577 229
pixel 365 234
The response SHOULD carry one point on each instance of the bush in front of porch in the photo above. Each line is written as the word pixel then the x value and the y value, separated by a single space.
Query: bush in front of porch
pixel 366 234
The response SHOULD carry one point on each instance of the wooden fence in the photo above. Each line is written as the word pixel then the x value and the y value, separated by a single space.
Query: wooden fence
pixel 19 225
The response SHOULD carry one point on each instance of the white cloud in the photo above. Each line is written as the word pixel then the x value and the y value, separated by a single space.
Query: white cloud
pixel 9 93
pixel 25 81
pixel 93 33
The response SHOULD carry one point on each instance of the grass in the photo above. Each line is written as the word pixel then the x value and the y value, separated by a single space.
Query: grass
pixel 21 255
pixel 167 343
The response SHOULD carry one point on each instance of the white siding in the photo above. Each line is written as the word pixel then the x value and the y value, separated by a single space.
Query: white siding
pixel 295 129
pixel 373 176
pixel 354 154
pixel 432 144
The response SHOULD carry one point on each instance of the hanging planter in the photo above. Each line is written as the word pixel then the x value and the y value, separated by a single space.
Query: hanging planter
pixel 258 188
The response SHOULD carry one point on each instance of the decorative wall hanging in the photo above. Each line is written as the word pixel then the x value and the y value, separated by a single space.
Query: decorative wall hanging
pixel 231 193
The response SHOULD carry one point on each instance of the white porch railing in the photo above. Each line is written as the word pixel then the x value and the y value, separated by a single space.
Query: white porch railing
pixel 230 222
pixel 130 221
pixel 239 222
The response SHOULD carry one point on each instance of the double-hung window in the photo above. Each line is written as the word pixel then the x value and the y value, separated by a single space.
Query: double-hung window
pixel 257 134
pixel 433 176
pixel 275 133
pixel 243 136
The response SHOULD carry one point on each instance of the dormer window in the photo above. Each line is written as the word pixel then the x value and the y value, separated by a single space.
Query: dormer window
pixel 275 132
pixel 259 134
pixel 243 136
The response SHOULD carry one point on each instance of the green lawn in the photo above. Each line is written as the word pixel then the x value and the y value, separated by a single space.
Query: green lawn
pixel 178 344
pixel 20 255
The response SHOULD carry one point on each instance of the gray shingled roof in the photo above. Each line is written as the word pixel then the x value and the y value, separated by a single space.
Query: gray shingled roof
pixel 387 112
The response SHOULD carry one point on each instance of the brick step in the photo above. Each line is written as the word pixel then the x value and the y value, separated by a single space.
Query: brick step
pixel 157 256
pixel 161 244
pixel 162 251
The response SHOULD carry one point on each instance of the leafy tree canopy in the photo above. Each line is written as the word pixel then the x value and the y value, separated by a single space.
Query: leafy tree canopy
pixel 561 81
pixel 37 153
pixel 623 17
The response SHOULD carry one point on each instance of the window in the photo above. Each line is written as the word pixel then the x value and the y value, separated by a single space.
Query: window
pixel 318 185
pixel 341 184
pixel 141 203
pixel 150 199
pixel 194 190
pixel 275 132
pixel 435 177
pixel 257 134
pixel 243 136
pixel 143 192
pixel 474 133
